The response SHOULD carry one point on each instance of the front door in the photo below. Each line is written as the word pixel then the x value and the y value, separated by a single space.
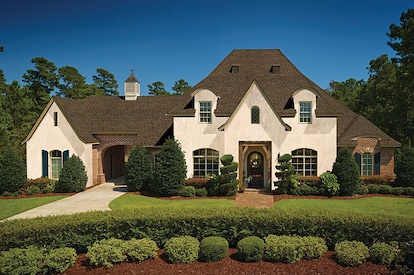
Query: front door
pixel 255 170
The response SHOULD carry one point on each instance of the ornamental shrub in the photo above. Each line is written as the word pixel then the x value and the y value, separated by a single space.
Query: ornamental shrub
pixel 288 180
pixel 12 172
pixel 106 253
pixel 33 190
pixel 140 250
pixel 363 190
pixel 383 253
pixel 187 191
pixel 201 192
pixel 196 182
pixel 313 247
pixel 73 177
pixel 305 190
pixel 284 249
pixel 404 166
pixel 21 261
pixel 170 169
pixel 213 249
pixel 182 249
pixel 351 253
pixel 329 183
pixel 346 170
pixel 250 249
pixel 385 189
pixel 60 259
pixel 138 170
pixel 373 188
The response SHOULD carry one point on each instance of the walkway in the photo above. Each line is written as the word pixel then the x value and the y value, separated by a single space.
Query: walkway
pixel 254 198
pixel 93 199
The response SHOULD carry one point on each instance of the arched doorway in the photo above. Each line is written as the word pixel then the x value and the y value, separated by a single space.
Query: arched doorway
pixel 114 162
pixel 255 169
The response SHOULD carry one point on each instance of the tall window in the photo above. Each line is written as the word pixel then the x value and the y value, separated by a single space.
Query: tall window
pixel 366 165
pixel 305 112
pixel 205 111
pixel 255 114
pixel 305 162
pixel 206 161
pixel 369 164
pixel 55 118
pixel 57 162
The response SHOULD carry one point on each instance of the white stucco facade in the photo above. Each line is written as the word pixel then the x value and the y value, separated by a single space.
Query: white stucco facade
pixel 272 136
pixel 48 136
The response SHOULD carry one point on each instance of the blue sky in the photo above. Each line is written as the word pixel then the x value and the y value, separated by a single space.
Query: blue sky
pixel 168 40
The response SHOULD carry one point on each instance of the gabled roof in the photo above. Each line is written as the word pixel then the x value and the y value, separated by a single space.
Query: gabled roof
pixel 256 66
pixel 145 117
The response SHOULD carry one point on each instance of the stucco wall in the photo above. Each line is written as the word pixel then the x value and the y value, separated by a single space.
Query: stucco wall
pixel 49 137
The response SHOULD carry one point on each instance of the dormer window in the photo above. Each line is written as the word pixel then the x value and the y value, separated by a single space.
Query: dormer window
pixel 275 69
pixel 234 68
pixel 305 112
pixel 205 111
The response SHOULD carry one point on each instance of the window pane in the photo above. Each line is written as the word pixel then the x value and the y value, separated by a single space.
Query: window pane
pixel 255 115
pixel 206 161
pixel 305 112
pixel 205 111
pixel 305 161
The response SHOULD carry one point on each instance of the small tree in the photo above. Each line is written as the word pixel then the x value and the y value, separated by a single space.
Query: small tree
pixel 12 172
pixel 404 167
pixel 329 183
pixel 286 174
pixel 73 177
pixel 138 169
pixel 226 182
pixel 170 169
pixel 346 170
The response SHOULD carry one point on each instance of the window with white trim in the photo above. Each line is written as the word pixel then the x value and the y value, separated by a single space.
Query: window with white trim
pixel 367 164
pixel 305 161
pixel 205 111
pixel 57 163
pixel 206 162
pixel 305 112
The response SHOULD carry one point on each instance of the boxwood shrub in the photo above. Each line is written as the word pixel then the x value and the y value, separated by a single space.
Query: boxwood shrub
pixel 60 259
pixel 106 253
pixel 351 253
pixel 383 253
pixel 213 249
pixel 250 249
pixel 182 249
pixel 160 224
pixel 141 250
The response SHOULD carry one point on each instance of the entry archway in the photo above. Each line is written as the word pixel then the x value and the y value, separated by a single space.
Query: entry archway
pixel 114 162
pixel 255 169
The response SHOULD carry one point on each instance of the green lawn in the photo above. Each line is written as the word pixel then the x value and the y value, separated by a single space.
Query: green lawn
pixel 13 207
pixel 133 201
pixel 372 205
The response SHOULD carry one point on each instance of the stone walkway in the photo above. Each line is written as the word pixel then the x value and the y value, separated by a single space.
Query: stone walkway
pixel 254 198
pixel 93 199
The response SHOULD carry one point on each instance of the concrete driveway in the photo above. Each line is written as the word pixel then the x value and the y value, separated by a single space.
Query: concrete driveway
pixel 93 199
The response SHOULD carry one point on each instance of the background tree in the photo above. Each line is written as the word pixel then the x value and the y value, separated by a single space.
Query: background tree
pixel 157 88
pixel 138 169
pixel 170 169
pixel 72 177
pixel 72 83
pixel 106 82
pixel 41 81
pixel 346 170
pixel 12 172
pixel 180 87
pixel 404 166
pixel 348 92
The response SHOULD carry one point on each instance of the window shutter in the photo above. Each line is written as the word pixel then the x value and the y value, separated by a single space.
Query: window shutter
pixel 45 164
pixel 377 163
pixel 65 156
pixel 358 161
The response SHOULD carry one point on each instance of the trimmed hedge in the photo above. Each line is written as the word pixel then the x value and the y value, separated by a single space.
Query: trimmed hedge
pixel 159 224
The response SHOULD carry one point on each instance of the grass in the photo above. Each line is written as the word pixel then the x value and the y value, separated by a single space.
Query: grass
pixel 133 201
pixel 372 205
pixel 11 207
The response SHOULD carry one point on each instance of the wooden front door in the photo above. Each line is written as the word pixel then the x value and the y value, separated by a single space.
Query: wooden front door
pixel 255 170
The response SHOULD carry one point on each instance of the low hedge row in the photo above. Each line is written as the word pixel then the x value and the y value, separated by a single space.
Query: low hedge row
pixel 160 224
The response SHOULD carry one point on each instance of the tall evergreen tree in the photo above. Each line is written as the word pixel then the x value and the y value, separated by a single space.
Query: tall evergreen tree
pixel 180 87
pixel 404 166
pixel 157 88
pixel 106 82
pixel 170 169
pixel 12 171
pixel 138 169
pixel 71 83
pixel 346 170
pixel 72 177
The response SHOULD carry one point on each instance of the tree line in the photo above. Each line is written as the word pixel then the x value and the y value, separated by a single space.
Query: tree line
pixel 387 97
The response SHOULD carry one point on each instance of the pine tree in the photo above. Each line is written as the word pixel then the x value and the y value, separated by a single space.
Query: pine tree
pixel 138 170
pixel 12 172
pixel 170 169
pixel 346 170
pixel 73 177
pixel 404 166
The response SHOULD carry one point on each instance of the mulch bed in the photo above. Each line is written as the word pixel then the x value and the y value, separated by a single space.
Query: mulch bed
pixel 229 265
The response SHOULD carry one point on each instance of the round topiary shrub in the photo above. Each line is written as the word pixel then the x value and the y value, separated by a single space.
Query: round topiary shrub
pixel 182 249
pixel 106 253
pixel 351 253
pixel 141 250
pixel 72 177
pixel 285 249
pixel 250 249
pixel 60 259
pixel 187 191
pixel 12 172
pixel 138 170
pixel 383 253
pixel 213 249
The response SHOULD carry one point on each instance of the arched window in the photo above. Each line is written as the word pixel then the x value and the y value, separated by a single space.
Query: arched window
pixel 305 161
pixel 206 161
pixel 255 115
pixel 57 163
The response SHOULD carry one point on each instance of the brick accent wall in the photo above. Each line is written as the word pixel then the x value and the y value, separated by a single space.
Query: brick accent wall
pixel 373 145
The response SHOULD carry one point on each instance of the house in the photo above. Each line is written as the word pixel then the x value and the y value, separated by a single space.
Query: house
pixel 255 105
